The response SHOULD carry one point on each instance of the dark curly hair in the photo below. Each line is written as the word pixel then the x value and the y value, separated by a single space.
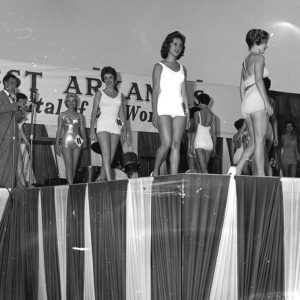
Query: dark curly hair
pixel 108 70
pixel 289 122
pixel 202 98
pixel 239 123
pixel 256 37
pixel 21 96
pixel 112 71
pixel 168 40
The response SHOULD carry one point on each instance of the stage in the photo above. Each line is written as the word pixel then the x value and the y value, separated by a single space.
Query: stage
pixel 186 236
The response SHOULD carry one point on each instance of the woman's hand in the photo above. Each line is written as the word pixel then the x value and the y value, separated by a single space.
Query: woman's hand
pixel 155 120
pixel 269 109
pixel 58 149
pixel 123 136
pixel 93 136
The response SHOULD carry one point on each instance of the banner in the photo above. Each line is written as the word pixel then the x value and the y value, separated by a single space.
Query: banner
pixel 53 83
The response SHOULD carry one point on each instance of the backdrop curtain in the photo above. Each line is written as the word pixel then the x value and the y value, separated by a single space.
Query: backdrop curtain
pixel 138 239
pixel 225 281
pixel 166 237
pixel 43 163
pixel 61 208
pixel 50 243
pixel 260 237
pixel 291 207
pixel 19 246
pixel 203 212
pixel 75 242
pixel 107 206
pixel 148 143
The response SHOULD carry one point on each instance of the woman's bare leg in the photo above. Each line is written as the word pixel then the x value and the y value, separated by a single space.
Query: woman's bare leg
pixel 178 125
pixel 104 139
pixel 165 134
pixel 293 170
pixel 285 170
pixel 201 155
pixel 114 140
pixel 260 123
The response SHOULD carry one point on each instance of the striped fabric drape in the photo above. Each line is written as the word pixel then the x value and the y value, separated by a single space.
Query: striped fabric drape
pixel 203 212
pixel 260 237
pixel 185 236
pixel 291 208
pixel 225 281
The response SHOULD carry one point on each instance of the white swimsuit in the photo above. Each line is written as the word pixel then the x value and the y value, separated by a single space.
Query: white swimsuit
pixel 109 114
pixel 252 101
pixel 203 138
pixel 170 100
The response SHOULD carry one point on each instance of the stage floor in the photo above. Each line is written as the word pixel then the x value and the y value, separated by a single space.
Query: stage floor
pixel 186 236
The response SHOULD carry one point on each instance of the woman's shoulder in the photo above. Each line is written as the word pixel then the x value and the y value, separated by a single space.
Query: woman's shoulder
pixel 254 57
pixel 62 114
pixel 99 92
pixel 259 58
pixel 159 65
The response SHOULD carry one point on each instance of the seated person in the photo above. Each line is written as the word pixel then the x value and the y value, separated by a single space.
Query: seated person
pixel 240 142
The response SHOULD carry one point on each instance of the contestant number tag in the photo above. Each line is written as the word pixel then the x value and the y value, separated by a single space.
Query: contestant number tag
pixel 78 140
pixel 119 122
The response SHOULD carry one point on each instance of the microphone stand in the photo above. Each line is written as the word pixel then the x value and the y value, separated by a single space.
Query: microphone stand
pixel 14 172
pixel 33 98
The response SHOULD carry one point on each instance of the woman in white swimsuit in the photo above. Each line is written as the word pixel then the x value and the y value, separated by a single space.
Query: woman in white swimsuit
pixel 256 108
pixel 111 122
pixel 169 101
pixel 205 138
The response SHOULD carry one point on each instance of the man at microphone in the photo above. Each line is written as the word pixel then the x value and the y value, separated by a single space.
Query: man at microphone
pixel 9 140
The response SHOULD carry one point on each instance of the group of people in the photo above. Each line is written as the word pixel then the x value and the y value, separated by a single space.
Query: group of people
pixel 171 116
pixel 283 163
pixel 71 137
pixel 257 129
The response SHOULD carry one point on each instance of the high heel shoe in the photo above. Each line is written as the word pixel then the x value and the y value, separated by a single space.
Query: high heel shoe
pixel 151 174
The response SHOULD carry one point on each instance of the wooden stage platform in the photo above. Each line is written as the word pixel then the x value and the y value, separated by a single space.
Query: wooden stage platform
pixel 185 237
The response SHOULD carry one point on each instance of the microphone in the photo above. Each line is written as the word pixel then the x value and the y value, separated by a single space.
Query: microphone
pixel 34 96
